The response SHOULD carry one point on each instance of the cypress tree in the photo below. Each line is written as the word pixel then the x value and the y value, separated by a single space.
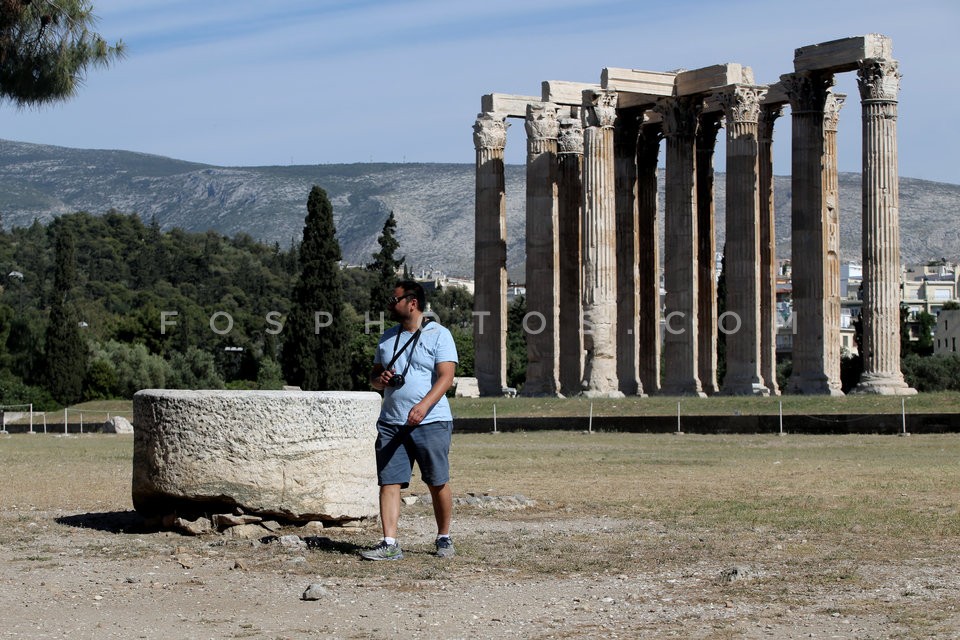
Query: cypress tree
pixel 385 265
pixel 316 357
pixel 66 350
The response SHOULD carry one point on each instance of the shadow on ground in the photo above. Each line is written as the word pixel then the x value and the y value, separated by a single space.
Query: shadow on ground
pixel 323 543
pixel 110 521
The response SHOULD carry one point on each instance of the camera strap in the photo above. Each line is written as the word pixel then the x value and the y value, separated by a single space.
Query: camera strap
pixel 412 340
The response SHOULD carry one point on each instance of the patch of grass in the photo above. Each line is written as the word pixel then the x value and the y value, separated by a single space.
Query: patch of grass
pixel 863 525
pixel 604 501
pixel 71 473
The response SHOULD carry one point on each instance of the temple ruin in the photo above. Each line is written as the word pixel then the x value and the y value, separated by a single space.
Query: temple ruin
pixel 592 249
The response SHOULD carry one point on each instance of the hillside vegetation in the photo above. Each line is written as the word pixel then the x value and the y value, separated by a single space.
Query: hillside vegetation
pixel 433 203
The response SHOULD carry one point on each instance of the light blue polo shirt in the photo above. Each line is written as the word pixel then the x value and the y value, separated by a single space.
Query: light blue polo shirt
pixel 435 345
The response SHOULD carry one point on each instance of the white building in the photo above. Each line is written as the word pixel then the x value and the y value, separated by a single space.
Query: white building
pixel 946 336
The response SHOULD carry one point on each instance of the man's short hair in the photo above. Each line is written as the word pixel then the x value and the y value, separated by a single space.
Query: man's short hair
pixel 416 289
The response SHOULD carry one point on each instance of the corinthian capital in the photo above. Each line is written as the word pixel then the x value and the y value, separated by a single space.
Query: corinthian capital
pixel 768 115
pixel 879 80
pixel 490 131
pixel 599 108
pixel 541 121
pixel 806 91
pixel 742 103
pixel 831 110
pixel 571 136
pixel 679 115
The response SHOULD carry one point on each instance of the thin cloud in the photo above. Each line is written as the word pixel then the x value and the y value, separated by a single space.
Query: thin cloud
pixel 247 83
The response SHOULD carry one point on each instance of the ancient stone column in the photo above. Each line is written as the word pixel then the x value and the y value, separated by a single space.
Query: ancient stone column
pixel 768 250
pixel 542 241
pixel 599 274
pixel 570 196
pixel 625 133
pixel 741 105
pixel 490 256
pixel 831 188
pixel 706 260
pixel 680 116
pixel 648 267
pixel 807 93
pixel 879 83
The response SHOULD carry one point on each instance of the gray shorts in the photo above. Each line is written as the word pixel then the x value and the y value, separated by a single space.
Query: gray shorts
pixel 399 446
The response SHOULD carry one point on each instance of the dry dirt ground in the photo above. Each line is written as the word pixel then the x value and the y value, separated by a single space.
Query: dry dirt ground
pixel 84 566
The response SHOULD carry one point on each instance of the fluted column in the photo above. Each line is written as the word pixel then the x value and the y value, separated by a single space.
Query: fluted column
pixel 542 242
pixel 706 259
pixel 807 93
pixel 490 256
pixel 742 253
pixel 648 267
pixel 625 134
pixel 768 250
pixel 879 83
pixel 599 275
pixel 680 116
pixel 570 195
pixel 831 187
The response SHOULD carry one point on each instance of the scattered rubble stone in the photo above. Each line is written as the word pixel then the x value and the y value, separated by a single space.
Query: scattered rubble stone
pixel 271 525
pixel 503 503
pixel 193 527
pixel 314 592
pixel 733 574
pixel 224 520
pixel 292 541
pixel 245 531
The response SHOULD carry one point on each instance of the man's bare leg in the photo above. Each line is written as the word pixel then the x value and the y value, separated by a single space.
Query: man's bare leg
pixel 442 507
pixel 390 509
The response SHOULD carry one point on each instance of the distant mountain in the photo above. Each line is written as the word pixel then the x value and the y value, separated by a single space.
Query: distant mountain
pixel 433 203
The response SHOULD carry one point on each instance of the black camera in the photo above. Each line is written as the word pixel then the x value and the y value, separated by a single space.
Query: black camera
pixel 396 381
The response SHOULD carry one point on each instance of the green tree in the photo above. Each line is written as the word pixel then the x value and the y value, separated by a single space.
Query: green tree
pixel 101 380
pixel 269 375
pixel 933 373
pixel 516 343
pixel 453 306
pixel 193 369
pixel 463 339
pixel 924 324
pixel 363 345
pixel 904 331
pixel 46 48
pixel 357 285
pixel 924 344
pixel 134 368
pixel 385 264
pixel 316 337
pixel 851 366
pixel 66 355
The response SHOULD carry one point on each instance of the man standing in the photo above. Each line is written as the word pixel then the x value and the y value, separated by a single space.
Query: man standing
pixel 414 367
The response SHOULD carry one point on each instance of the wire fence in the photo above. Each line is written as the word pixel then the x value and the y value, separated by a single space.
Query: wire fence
pixel 737 422
pixel 14 412
pixel 22 418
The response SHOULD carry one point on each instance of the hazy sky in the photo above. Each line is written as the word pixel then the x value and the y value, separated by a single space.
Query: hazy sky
pixel 236 82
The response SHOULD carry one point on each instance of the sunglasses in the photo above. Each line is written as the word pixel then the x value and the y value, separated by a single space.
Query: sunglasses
pixel 392 300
